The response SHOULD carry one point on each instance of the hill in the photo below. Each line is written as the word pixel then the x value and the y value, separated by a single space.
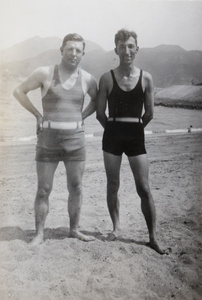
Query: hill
pixel 21 59
pixel 29 48
pixel 169 64
pixel 34 47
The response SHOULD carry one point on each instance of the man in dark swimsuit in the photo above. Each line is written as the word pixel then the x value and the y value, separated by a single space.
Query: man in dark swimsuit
pixel 60 130
pixel 127 90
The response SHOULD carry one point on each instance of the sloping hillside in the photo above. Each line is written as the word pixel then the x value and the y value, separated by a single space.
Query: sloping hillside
pixel 180 96
pixel 169 65
pixel 98 62
pixel 35 46
pixel 29 49
pixel 22 59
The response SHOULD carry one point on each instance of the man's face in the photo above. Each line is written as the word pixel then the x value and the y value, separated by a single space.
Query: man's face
pixel 72 53
pixel 126 50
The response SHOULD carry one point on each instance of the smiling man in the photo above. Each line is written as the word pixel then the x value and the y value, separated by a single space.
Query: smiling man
pixel 128 91
pixel 60 129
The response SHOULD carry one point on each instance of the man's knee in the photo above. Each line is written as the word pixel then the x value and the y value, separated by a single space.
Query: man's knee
pixel 143 190
pixel 75 188
pixel 44 191
pixel 113 185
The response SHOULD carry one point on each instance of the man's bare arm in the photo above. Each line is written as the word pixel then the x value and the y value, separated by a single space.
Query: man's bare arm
pixel 34 81
pixel 149 99
pixel 92 92
pixel 102 101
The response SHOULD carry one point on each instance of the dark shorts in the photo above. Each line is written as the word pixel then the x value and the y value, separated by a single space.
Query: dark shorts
pixel 57 145
pixel 120 137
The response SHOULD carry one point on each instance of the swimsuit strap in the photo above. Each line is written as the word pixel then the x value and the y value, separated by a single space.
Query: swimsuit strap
pixel 56 77
pixel 140 78
pixel 113 77
pixel 141 74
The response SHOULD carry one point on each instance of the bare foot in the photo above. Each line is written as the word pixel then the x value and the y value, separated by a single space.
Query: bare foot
pixel 37 240
pixel 154 245
pixel 112 236
pixel 81 236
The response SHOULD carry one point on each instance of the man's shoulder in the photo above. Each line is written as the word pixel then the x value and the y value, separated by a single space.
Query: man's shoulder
pixel 107 74
pixel 86 75
pixel 87 78
pixel 146 74
pixel 45 70
pixel 106 77
pixel 147 81
pixel 43 74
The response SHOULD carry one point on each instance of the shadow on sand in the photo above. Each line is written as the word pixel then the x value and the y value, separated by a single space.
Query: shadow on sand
pixel 60 233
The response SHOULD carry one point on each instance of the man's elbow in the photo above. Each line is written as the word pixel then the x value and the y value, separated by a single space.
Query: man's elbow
pixel 147 118
pixel 16 92
pixel 93 106
pixel 151 116
pixel 97 115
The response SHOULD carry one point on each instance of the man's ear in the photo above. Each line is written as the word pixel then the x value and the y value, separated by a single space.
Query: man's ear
pixel 61 50
pixel 115 50
pixel 84 53
pixel 137 49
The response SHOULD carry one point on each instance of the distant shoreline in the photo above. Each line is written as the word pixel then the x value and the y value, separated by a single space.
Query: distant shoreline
pixel 183 96
pixel 175 105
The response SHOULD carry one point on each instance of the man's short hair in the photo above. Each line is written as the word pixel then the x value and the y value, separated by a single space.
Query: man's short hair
pixel 72 37
pixel 124 35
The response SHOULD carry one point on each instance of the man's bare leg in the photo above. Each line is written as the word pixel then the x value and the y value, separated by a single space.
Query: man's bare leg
pixel 148 209
pixel 75 170
pixel 112 168
pixel 139 167
pixel 45 174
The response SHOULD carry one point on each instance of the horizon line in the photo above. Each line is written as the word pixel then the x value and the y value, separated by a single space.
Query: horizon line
pixel 86 40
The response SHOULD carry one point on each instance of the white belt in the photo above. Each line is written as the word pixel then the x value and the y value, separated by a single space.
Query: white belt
pixel 132 120
pixel 62 125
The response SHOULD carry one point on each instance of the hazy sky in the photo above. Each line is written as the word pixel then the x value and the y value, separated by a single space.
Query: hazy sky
pixel 156 22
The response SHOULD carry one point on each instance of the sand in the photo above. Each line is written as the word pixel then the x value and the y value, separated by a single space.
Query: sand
pixel 66 268
pixel 125 269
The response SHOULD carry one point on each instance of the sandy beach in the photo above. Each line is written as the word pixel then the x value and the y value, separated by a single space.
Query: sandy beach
pixel 125 269
pixel 66 268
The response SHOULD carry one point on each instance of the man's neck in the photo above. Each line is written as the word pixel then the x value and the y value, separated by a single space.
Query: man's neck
pixel 67 72
pixel 68 69
pixel 127 70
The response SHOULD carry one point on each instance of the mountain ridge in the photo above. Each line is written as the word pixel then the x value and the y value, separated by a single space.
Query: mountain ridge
pixel 168 64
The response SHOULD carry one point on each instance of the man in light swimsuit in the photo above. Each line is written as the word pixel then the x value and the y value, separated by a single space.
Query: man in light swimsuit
pixel 128 92
pixel 60 129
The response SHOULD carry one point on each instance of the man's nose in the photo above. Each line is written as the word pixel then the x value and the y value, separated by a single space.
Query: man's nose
pixel 73 52
pixel 127 51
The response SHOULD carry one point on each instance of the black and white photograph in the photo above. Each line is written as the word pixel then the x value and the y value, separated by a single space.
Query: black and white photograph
pixel 100 150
